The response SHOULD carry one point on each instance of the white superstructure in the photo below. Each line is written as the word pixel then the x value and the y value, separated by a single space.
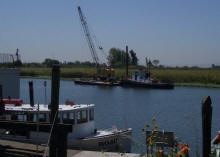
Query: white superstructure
pixel 83 135
pixel 141 76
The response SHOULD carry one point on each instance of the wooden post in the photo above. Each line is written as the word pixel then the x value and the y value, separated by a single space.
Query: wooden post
pixel 206 125
pixel 31 93
pixel 1 94
pixel 126 75
pixel 55 84
pixel 62 143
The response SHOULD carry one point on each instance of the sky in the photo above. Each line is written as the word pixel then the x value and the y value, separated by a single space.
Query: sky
pixel 176 32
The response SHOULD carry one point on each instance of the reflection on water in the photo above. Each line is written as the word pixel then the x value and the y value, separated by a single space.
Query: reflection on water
pixel 177 110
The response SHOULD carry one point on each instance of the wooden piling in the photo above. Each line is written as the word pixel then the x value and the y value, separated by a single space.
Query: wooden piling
pixel 206 125
pixel 31 93
pixel 55 84
pixel 1 94
pixel 126 75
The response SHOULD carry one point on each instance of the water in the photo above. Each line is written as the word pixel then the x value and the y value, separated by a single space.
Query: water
pixel 177 110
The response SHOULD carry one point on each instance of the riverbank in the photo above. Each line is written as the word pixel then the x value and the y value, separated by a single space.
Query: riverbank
pixel 180 77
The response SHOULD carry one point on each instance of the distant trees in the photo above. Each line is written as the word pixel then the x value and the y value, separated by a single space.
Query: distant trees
pixel 117 57
pixel 134 59
pixel 155 62
pixel 49 62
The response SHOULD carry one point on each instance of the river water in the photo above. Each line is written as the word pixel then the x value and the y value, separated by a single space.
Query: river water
pixel 177 110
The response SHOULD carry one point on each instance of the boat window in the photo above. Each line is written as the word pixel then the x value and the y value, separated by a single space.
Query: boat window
pixel 68 118
pixel 71 116
pixel 35 118
pixel 58 117
pixel 20 117
pixel 91 114
pixel 82 116
pixel 42 117
pixel 2 116
pixel 24 117
pixel 65 116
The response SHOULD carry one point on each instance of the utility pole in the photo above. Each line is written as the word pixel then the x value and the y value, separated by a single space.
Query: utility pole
pixel 126 75
pixel 17 55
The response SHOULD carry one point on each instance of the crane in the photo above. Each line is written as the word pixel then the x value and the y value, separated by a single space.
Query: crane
pixel 89 39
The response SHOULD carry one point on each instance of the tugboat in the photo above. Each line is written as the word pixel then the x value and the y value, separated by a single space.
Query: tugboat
pixel 142 78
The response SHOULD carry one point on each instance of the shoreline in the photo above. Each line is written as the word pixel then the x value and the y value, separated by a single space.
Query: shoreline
pixel 201 85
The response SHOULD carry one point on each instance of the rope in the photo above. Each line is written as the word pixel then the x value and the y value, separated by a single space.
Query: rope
pixel 46 150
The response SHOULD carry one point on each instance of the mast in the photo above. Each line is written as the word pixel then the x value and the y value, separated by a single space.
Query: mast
pixel 89 39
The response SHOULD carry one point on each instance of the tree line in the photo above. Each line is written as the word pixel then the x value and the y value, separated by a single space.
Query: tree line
pixel 116 58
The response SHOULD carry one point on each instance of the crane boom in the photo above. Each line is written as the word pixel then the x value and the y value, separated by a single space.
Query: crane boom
pixel 89 38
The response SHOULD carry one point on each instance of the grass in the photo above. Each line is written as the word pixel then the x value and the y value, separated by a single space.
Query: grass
pixel 182 77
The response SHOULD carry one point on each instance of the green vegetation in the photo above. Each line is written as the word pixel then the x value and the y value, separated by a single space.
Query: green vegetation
pixel 117 57
pixel 185 77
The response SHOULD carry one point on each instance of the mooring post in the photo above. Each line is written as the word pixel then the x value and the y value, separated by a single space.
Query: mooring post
pixel 206 125
pixel 126 75
pixel 62 143
pixel 55 84
pixel 31 93
pixel 1 95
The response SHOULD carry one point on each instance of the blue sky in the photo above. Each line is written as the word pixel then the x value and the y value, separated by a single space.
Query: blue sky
pixel 177 32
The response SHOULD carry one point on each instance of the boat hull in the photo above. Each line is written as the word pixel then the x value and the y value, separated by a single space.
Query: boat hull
pixel 113 142
pixel 156 85
pixel 94 82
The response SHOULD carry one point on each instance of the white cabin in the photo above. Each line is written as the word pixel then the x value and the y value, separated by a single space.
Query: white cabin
pixel 140 76
pixel 10 83
pixel 80 116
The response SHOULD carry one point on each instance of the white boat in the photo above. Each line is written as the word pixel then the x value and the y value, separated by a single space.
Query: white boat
pixel 84 136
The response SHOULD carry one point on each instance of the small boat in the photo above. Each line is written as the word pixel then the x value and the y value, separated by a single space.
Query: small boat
pixel 142 79
pixel 84 136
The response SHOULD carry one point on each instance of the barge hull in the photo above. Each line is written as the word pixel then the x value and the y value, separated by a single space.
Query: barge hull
pixel 93 82
pixel 129 83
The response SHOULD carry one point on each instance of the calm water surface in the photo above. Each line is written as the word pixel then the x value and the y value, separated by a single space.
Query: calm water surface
pixel 177 110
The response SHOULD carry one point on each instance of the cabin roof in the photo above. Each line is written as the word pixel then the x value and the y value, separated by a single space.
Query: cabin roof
pixel 42 107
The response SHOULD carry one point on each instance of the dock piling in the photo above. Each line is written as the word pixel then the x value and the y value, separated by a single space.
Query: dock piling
pixel 1 95
pixel 55 84
pixel 206 125
pixel 31 93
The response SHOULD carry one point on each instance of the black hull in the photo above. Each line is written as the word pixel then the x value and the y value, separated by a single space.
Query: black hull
pixel 93 82
pixel 130 83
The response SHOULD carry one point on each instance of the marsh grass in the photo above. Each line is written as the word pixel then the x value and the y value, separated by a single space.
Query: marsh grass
pixel 184 77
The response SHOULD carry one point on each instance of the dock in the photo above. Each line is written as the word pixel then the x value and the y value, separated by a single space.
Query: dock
pixel 19 149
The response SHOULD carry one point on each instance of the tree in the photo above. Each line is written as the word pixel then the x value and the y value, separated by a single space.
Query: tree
pixel 134 59
pixel 155 62
pixel 49 62
pixel 116 57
